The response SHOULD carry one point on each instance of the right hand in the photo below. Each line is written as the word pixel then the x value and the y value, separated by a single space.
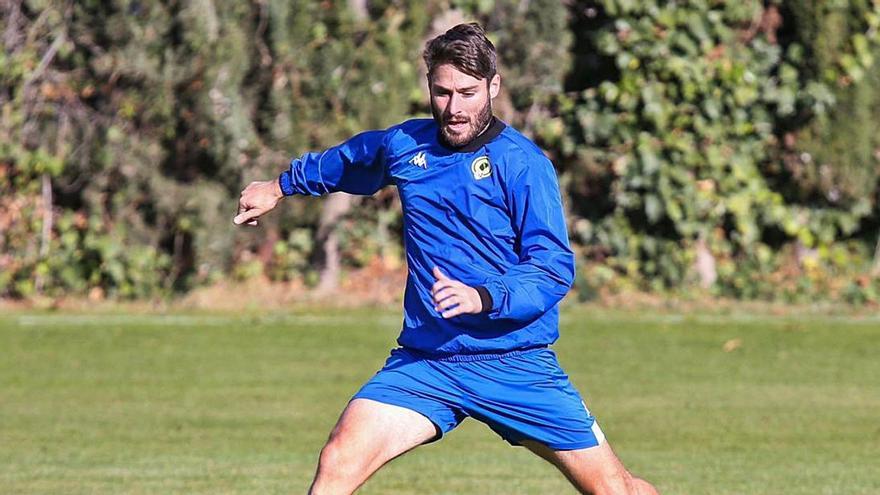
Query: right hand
pixel 257 199
pixel 453 298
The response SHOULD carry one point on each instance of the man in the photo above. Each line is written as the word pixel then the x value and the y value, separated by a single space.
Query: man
pixel 488 260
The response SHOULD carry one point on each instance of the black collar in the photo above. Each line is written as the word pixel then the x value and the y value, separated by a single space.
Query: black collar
pixel 495 128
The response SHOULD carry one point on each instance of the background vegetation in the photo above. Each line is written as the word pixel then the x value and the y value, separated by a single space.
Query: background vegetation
pixel 705 146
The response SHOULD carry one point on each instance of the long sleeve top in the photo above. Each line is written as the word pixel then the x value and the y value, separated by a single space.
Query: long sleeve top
pixel 488 214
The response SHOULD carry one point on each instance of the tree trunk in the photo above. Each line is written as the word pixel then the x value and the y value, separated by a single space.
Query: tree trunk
pixel 336 206
pixel 46 233
pixel 359 9
pixel 875 270
pixel 705 265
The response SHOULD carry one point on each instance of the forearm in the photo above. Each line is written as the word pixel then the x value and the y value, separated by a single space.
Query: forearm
pixel 530 289
pixel 356 166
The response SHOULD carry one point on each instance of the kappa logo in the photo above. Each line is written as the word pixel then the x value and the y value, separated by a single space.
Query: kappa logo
pixel 481 168
pixel 419 160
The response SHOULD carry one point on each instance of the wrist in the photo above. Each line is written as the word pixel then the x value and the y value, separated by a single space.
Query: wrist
pixel 485 299
pixel 276 188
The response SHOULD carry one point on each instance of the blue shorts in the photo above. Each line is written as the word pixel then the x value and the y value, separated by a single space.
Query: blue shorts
pixel 521 395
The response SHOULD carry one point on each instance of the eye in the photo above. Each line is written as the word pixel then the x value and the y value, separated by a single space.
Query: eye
pixel 468 95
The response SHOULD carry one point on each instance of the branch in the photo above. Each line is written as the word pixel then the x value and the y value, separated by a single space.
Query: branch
pixel 47 58
pixel 12 37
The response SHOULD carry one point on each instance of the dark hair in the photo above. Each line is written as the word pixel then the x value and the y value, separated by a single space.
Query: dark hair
pixel 466 47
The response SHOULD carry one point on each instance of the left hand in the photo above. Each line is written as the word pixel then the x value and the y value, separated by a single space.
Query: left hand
pixel 453 298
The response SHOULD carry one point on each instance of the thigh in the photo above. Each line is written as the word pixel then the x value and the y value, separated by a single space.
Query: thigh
pixel 414 384
pixel 367 435
pixel 379 432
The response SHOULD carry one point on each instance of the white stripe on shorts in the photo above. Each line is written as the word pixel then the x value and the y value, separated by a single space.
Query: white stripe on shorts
pixel 597 432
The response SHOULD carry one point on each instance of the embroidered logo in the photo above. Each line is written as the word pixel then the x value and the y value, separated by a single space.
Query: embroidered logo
pixel 419 160
pixel 481 168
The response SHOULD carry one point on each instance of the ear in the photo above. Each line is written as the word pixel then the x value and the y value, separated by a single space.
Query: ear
pixel 494 86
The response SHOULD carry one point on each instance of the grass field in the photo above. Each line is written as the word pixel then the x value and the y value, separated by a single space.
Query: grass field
pixel 214 404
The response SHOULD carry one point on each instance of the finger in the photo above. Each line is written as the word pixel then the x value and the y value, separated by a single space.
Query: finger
pixel 440 275
pixel 254 223
pixel 243 217
pixel 243 205
pixel 442 284
pixel 452 312
pixel 448 303
pixel 444 294
pixel 464 306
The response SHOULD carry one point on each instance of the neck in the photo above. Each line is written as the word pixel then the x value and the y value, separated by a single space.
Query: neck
pixel 484 128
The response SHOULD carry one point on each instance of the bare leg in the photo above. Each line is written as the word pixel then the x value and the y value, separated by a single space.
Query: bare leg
pixel 595 470
pixel 367 435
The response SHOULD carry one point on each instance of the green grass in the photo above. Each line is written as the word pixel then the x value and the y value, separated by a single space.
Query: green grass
pixel 210 404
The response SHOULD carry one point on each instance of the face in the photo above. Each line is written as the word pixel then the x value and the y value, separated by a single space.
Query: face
pixel 461 104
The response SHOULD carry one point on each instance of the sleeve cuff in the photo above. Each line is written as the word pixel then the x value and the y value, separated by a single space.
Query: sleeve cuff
pixel 285 183
pixel 485 299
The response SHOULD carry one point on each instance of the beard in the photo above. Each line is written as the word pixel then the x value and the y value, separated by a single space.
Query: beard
pixel 475 125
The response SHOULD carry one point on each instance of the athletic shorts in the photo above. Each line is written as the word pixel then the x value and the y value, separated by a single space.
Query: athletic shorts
pixel 521 395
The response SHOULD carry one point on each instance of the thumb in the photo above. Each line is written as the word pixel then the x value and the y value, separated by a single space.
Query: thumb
pixel 440 275
pixel 246 215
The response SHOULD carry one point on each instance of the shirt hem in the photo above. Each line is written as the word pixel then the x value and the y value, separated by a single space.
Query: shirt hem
pixel 476 356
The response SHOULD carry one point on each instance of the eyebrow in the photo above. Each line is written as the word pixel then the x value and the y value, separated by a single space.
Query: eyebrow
pixel 460 90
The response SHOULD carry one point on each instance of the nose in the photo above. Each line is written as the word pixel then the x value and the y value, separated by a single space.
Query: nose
pixel 454 105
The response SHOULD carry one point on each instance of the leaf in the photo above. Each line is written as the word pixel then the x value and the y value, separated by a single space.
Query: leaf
pixel 653 208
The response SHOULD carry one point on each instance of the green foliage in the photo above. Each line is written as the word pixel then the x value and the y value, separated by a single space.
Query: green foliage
pixel 676 143
pixel 532 39
pixel 152 116
pixel 835 158
pixel 130 127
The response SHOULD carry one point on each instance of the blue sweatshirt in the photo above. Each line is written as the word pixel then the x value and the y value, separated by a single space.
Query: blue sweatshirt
pixel 489 214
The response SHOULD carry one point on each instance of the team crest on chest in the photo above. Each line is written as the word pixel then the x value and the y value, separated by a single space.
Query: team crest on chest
pixel 481 168
pixel 419 160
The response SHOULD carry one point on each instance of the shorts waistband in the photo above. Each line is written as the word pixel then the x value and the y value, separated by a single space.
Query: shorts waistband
pixel 461 358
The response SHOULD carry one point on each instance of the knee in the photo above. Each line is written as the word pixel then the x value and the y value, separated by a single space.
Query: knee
pixel 621 482
pixel 338 462
pixel 614 482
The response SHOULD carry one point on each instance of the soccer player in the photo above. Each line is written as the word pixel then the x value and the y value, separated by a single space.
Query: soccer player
pixel 488 262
